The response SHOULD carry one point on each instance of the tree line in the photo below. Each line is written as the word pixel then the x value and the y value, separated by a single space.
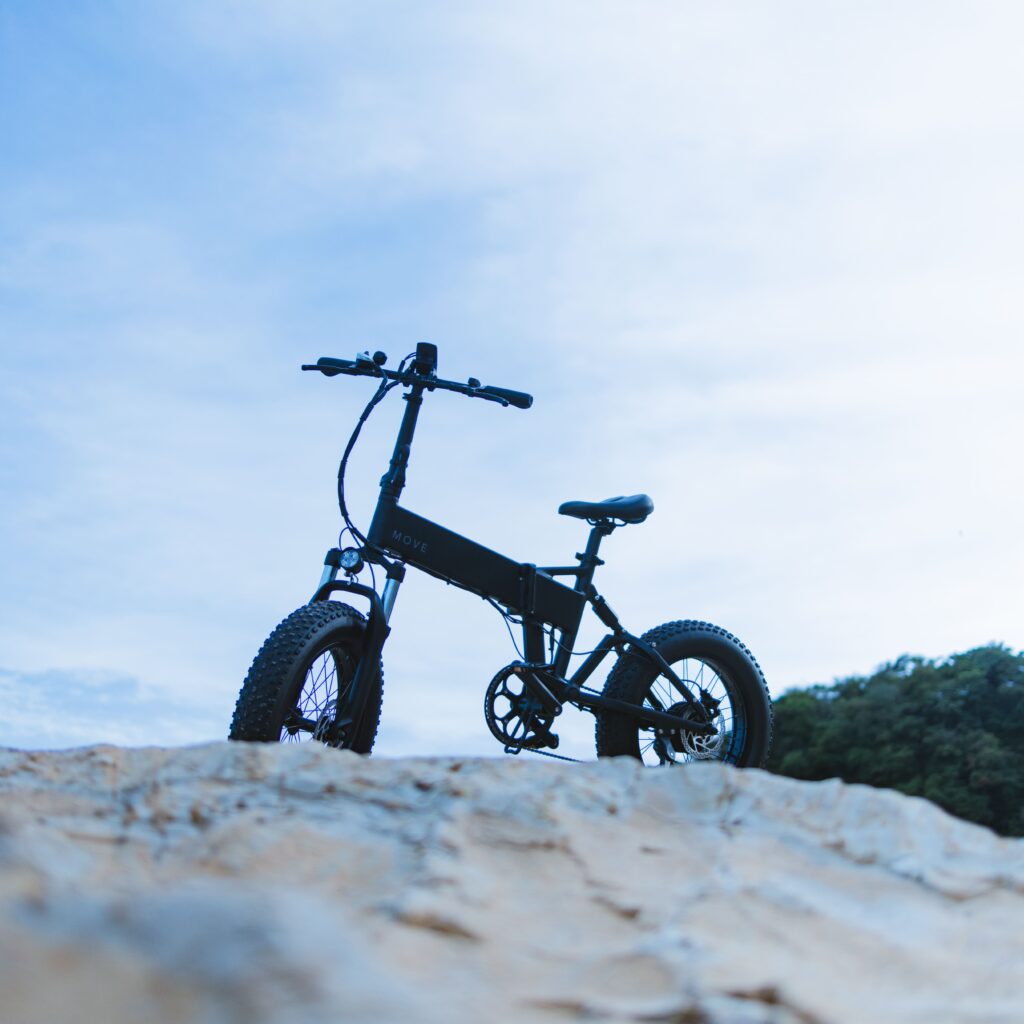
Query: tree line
pixel 950 730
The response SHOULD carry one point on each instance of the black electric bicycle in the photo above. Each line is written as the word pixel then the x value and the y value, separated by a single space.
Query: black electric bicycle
pixel 683 691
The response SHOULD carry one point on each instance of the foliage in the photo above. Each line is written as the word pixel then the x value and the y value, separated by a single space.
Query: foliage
pixel 951 731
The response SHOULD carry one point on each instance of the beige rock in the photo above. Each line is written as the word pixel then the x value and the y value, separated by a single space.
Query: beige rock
pixel 237 882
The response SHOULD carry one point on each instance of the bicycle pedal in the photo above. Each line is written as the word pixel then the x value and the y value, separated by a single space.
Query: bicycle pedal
pixel 547 739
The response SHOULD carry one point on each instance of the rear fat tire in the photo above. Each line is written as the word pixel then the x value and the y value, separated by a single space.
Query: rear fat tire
pixel 278 674
pixel 633 675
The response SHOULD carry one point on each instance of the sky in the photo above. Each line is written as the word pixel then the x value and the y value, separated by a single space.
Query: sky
pixel 760 261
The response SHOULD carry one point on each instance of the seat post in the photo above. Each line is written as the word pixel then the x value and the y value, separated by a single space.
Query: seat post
pixel 589 560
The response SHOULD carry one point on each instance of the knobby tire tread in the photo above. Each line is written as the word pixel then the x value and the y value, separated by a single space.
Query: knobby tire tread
pixel 256 710
pixel 616 735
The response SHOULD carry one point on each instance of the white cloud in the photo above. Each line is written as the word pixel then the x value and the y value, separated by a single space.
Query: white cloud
pixel 61 709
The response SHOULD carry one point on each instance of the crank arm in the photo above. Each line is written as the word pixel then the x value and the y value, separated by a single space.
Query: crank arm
pixel 547 688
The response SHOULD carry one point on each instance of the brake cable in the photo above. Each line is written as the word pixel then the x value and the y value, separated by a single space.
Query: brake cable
pixel 378 396
pixel 509 621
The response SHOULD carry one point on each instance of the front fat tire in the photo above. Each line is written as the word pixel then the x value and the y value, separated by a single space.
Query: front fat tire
pixel 278 673
pixel 634 674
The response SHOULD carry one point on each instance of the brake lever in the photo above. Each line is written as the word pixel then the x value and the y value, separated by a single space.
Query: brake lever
pixel 475 390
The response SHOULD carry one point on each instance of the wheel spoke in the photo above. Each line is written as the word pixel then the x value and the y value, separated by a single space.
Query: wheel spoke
pixel 315 699
pixel 697 676
pixel 654 701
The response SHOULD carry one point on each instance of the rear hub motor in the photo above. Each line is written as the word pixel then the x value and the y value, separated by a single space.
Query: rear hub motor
pixel 696 745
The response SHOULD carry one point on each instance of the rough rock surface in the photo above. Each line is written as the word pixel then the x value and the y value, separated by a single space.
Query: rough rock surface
pixel 236 882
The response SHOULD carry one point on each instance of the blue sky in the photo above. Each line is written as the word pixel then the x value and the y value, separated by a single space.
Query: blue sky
pixel 763 263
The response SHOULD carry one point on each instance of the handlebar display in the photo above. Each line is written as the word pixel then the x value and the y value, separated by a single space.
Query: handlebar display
pixel 331 367
pixel 426 359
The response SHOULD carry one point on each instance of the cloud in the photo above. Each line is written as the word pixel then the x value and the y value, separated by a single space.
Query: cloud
pixel 54 709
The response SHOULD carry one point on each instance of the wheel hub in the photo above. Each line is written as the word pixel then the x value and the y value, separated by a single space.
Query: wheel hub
pixel 699 746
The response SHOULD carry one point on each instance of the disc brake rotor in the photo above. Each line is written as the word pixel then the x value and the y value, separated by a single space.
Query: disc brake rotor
pixel 699 746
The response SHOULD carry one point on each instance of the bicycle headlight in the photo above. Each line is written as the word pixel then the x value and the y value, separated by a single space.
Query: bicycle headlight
pixel 351 561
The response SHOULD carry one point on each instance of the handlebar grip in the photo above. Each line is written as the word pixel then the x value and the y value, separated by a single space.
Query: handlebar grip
pixel 520 399
pixel 330 367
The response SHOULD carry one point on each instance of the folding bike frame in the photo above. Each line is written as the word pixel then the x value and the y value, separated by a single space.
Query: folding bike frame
pixel 398 537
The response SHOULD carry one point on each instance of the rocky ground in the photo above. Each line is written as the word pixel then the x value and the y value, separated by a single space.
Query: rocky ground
pixel 234 882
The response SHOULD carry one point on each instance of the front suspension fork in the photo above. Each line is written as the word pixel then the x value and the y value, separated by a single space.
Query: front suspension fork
pixel 377 631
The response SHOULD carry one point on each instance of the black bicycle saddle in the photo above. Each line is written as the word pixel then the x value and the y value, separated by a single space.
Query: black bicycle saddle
pixel 634 509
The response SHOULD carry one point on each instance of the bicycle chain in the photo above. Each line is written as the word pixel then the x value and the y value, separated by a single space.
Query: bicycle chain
pixel 557 757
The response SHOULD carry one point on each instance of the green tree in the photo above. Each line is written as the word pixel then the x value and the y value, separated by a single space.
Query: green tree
pixel 950 730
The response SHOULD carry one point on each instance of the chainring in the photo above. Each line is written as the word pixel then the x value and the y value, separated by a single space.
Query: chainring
pixel 516 717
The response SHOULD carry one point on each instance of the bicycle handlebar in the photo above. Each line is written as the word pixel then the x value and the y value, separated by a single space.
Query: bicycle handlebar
pixel 520 399
pixel 331 367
